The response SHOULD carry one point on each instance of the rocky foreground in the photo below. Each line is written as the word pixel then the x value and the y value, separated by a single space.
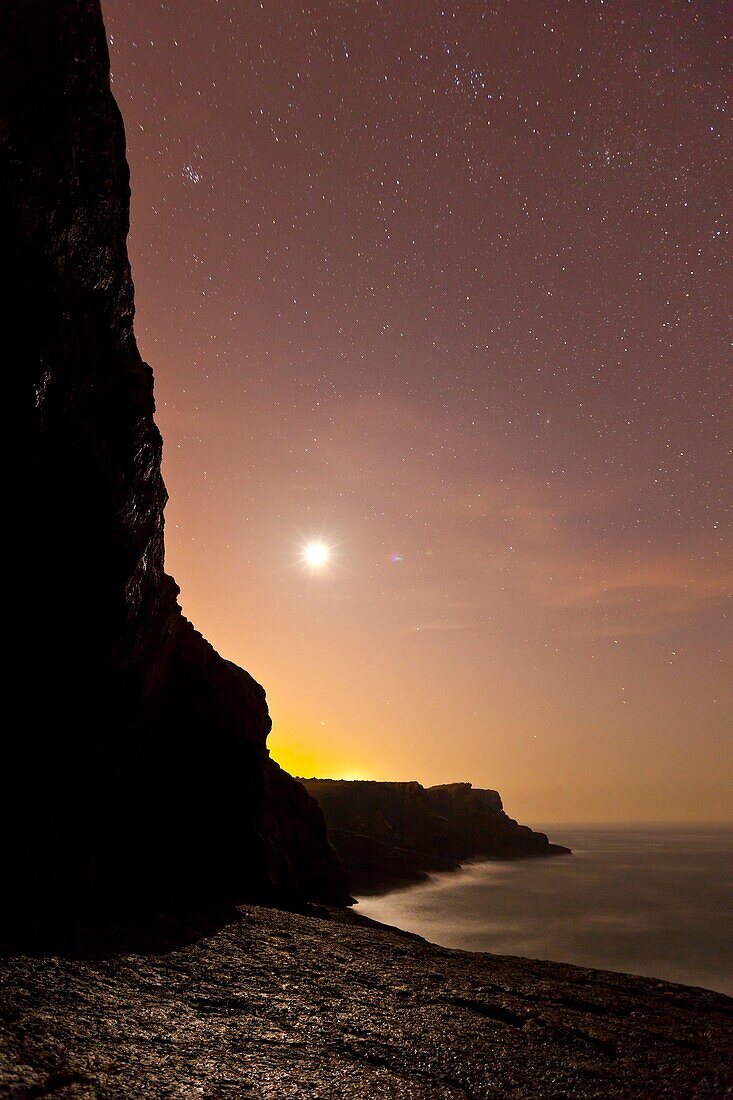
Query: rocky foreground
pixel 265 1003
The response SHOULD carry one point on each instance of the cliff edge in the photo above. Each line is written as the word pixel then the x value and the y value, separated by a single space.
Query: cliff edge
pixel 394 834
pixel 139 764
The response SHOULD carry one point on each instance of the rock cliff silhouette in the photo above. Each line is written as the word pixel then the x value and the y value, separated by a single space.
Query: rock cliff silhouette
pixel 394 834
pixel 140 768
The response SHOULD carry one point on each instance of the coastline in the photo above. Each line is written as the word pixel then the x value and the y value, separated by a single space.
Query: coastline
pixel 423 877
pixel 637 900
pixel 391 835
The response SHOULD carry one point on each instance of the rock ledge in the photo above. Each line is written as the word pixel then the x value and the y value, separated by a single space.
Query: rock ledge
pixel 266 1003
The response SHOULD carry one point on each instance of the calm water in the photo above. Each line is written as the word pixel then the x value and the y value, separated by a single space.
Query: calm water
pixel 648 900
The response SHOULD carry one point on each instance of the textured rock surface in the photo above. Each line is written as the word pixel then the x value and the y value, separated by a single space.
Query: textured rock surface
pixel 277 1004
pixel 392 834
pixel 140 762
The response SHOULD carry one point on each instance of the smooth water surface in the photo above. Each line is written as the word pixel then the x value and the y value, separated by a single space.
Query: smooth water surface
pixel 653 900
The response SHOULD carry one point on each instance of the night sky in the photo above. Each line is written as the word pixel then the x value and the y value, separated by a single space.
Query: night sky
pixel 444 288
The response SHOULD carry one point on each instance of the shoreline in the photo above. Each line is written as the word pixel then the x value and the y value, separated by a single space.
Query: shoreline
pixel 424 877
pixel 633 901
pixel 391 834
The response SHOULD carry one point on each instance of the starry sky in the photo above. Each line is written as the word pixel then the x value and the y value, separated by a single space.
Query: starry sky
pixel 443 287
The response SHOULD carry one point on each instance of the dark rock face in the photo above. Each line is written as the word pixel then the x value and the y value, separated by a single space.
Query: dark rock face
pixel 276 1004
pixel 394 834
pixel 140 766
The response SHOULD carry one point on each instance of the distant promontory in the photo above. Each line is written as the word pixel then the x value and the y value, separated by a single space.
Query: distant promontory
pixel 390 835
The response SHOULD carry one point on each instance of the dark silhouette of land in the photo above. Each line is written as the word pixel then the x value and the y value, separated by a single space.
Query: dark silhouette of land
pixel 394 834
pixel 140 770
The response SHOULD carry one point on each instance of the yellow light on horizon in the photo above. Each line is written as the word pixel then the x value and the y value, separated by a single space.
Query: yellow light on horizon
pixel 313 761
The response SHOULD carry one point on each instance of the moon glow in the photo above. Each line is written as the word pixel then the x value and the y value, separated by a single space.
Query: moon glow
pixel 316 554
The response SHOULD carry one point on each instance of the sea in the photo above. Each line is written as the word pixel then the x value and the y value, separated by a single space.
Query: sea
pixel 641 899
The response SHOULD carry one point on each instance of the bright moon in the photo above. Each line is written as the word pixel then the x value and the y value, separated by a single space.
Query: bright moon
pixel 316 554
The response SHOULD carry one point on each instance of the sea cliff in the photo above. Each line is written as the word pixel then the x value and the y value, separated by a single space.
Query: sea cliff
pixel 394 834
pixel 139 770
